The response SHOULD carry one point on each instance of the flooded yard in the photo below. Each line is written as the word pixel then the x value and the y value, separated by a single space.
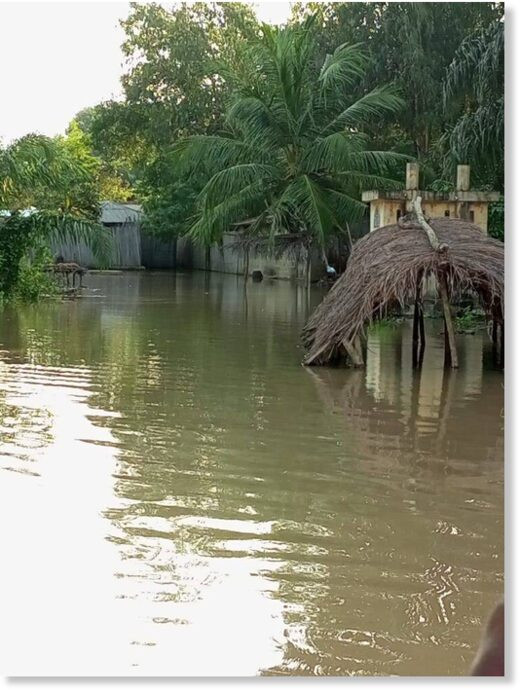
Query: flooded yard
pixel 172 478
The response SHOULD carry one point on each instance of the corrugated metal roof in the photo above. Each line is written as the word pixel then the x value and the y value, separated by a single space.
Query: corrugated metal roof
pixel 114 212
pixel 111 212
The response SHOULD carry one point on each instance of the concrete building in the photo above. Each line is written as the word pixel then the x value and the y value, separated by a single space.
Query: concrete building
pixel 225 257
pixel 472 205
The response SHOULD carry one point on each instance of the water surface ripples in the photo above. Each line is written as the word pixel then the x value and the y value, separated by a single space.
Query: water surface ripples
pixel 180 486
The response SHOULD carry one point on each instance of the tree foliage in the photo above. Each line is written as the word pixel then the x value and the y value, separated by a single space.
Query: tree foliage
pixel 415 42
pixel 475 80
pixel 185 66
pixel 278 125
pixel 293 155
pixel 43 197
pixel 171 83
pixel 34 162
pixel 172 55
pixel 174 86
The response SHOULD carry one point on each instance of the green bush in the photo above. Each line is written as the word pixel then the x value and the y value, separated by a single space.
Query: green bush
pixel 496 219
pixel 469 320
pixel 34 282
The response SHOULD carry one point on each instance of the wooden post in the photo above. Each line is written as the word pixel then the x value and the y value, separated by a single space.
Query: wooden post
pixel 246 264
pixel 498 343
pixel 422 335
pixel 494 341
pixel 497 337
pixel 451 346
pixel 418 337
pixel 432 237
pixel 354 351
pixel 415 334
pixel 308 267
pixel 359 349
pixel 412 176
pixel 449 331
pixel 463 174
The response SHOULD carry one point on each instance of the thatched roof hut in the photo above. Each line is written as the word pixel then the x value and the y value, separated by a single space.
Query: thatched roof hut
pixel 391 265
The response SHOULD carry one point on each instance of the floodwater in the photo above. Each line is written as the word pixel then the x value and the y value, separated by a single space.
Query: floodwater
pixel 179 496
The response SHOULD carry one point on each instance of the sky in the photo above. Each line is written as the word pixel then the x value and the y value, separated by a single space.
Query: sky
pixel 59 57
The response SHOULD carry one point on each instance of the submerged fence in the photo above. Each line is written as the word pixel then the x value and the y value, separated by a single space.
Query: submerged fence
pixel 130 249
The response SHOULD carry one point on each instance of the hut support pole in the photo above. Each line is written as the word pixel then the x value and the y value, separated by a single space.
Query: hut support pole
pixel 432 236
pixel 498 343
pixel 449 331
pixel 308 268
pixel 451 347
pixel 359 349
pixel 418 337
pixel 494 341
pixel 246 263
pixel 422 335
pixel 354 351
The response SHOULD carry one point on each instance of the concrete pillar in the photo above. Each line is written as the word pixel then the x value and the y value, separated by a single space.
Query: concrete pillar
pixel 463 177
pixel 412 176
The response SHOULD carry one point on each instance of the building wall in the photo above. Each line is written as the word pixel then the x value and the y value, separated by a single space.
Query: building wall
pixel 459 210
pixel 125 249
pixel 230 260
pixel 130 249
pixel 384 212
pixel 157 253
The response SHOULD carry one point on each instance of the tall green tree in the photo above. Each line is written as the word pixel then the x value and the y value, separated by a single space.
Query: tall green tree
pixel 415 42
pixel 67 180
pixel 104 181
pixel 33 161
pixel 173 87
pixel 474 86
pixel 38 170
pixel 293 156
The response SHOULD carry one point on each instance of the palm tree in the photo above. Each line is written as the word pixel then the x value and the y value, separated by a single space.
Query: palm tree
pixel 29 163
pixel 475 80
pixel 294 157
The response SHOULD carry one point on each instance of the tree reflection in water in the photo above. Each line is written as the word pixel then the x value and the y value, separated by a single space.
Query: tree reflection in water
pixel 261 516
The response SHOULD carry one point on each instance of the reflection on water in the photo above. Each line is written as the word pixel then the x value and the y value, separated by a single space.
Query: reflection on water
pixel 184 498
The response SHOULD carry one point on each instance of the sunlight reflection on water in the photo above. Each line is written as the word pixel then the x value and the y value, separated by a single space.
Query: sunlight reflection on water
pixel 184 498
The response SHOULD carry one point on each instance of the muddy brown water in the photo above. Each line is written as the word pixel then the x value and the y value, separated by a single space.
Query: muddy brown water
pixel 180 497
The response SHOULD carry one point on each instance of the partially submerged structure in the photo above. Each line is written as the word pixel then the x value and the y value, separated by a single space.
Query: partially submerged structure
pixel 285 256
pixel 130 247
pixel 386 207
pixel 123 223
pixel 234 256
pixel 391 266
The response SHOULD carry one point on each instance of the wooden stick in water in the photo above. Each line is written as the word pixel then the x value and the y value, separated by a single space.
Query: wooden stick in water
pixel 443 285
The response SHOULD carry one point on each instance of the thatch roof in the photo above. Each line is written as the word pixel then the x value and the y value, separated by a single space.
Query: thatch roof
pixel 385 268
